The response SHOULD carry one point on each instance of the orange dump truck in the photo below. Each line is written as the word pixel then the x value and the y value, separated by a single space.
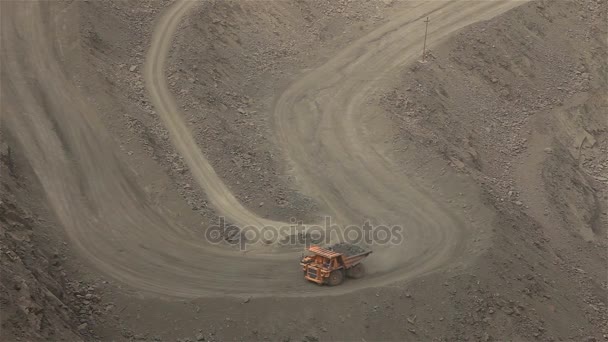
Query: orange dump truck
pixel 330 267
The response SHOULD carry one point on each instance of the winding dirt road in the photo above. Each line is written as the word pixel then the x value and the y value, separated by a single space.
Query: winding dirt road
pixel 318 123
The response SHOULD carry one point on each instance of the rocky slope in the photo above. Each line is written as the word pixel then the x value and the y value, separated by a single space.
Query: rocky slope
pixel 42 297
pixel 519 104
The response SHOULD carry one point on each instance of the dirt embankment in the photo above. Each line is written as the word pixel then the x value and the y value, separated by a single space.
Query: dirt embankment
pixel 518 103
pixel 41 296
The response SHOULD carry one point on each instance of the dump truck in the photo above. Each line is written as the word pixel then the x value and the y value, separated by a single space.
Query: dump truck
pixel 329 266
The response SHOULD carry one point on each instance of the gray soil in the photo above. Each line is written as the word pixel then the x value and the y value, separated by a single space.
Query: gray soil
pixel 130 128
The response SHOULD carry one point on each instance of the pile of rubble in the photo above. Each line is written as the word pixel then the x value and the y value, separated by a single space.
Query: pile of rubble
pixel 346 249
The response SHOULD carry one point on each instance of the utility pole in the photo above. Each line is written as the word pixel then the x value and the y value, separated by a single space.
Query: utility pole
pixel 426 30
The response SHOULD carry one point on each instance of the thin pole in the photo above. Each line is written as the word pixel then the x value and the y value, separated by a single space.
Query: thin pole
pixel 426 30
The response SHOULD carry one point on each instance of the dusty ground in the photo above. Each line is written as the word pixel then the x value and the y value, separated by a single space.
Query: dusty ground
pixel 129 127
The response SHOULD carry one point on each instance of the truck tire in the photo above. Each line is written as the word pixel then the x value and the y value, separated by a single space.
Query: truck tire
pixel 356 272
pixel 335 278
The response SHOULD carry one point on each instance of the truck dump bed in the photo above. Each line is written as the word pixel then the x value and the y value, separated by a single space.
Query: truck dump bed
pixel 350 254
pixel 346 249
pixel 350 261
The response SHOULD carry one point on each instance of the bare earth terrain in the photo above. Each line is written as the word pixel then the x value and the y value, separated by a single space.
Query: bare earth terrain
pixel 128 128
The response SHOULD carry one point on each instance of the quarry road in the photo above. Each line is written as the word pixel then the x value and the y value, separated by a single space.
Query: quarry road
pixel 318 123
pixel 168 110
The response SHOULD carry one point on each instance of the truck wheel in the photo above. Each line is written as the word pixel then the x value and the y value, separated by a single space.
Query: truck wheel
pixel 356 272
pixel 335 278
